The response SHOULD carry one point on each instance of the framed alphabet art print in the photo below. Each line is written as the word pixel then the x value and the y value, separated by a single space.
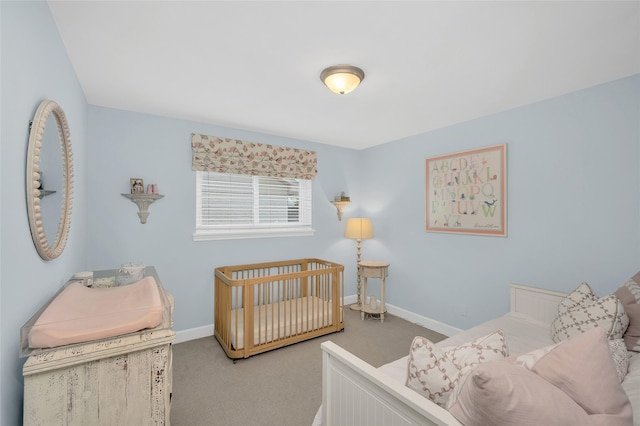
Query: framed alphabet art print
pixel 466 192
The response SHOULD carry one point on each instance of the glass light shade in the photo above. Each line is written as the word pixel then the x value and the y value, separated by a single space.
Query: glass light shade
pixel 342 82
pixel 358 228
pixel 342 79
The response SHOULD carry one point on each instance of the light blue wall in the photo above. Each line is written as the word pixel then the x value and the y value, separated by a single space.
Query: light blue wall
pixel 157 149
pixel 573 213
pixel 573 204
pixel 35 66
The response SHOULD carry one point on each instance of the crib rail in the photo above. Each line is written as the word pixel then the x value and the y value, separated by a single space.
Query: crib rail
pixel 264 306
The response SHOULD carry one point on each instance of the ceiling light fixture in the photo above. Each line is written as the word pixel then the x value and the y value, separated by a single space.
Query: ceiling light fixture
pixel 342 79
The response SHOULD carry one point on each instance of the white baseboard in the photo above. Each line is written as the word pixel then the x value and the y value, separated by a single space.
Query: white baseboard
pixel 431 324
pixel 194 333
pixel 425 322
pixel 350 300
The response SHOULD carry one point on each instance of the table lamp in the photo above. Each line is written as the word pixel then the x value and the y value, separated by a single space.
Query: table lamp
pixel 359 229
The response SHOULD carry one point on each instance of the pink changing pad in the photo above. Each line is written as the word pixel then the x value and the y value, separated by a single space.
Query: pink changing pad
pixel 81 314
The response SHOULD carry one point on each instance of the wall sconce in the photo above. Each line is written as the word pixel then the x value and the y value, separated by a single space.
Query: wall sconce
pixel 340 202
pixel 358 229
pixel 342 79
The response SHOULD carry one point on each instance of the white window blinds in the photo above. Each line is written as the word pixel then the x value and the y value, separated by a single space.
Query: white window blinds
pixel 241 206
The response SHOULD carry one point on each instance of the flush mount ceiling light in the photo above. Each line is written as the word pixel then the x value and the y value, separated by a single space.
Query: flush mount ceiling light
pixel 342 79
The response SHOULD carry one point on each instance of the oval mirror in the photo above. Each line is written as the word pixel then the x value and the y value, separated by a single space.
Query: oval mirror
pixel 49 180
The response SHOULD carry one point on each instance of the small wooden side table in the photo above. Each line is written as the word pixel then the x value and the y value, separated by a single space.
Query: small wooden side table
pixel 373 269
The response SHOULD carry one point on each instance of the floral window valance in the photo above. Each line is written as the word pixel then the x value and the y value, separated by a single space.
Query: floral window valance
pixel 223 155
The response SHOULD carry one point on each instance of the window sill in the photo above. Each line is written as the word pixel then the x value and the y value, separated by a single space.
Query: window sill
pixel 253 233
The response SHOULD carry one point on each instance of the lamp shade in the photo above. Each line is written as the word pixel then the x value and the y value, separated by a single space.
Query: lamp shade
pixel 358 228
pixel 342 79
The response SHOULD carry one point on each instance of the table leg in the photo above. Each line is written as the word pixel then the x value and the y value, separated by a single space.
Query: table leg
pixel 382 304
pixel 364 296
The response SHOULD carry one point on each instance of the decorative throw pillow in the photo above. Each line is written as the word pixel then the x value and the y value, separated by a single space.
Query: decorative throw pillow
pixel 434 372
pixel 573 382
pixel 498 393
pixel 618 351
pixel 631 384
pixel 582 310
pixel 629 295
pixel 582 367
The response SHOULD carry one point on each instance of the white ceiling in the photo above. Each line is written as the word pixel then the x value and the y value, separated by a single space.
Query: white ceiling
pixel 256 65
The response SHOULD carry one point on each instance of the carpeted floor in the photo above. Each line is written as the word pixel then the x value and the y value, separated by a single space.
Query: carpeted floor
pixel 281 387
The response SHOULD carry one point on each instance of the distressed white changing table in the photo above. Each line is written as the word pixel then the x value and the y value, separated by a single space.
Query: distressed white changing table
pixel 122 380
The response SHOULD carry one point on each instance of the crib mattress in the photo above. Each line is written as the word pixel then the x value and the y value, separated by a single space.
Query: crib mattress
pixel 81 314
pixel 276 321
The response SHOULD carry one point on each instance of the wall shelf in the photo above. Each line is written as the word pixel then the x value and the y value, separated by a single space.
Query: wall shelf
pixel 143 201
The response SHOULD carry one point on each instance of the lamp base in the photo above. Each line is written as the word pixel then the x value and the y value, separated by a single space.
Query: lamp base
pixel 355 307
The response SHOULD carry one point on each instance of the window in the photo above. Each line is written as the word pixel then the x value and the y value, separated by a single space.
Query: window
pixel 230 206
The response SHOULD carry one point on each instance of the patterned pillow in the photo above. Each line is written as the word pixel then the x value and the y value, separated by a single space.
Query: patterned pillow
pixel 629 295
pixel 582 310
pixel 434 372
pixel 618 352
pixel 571 383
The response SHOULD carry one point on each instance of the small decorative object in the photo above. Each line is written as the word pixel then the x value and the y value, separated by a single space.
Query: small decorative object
pixel 466 192
pixel 373 302
pixel 152 188
pixel 130 273
pixel 86 277
pixel 137 186
pixel 104 282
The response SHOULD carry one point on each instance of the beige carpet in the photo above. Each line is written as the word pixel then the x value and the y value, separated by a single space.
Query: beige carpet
pixel 281 387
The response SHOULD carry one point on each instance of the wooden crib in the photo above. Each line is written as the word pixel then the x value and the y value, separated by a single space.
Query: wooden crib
pixel 264 306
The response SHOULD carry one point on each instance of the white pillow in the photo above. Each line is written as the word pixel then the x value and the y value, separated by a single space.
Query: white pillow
pixel 582 310
pixel 434 372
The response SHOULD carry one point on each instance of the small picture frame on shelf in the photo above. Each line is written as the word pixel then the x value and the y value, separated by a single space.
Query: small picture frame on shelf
pixel 137 185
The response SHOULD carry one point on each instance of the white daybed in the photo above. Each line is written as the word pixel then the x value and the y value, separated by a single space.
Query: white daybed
pixel 356 393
